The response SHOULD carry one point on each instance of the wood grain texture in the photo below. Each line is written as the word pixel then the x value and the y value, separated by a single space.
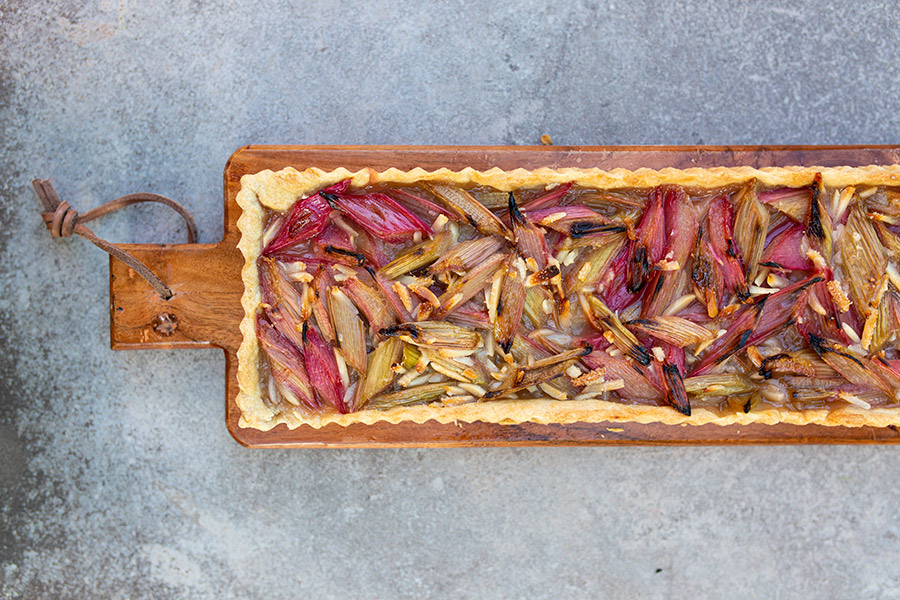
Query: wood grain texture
pixel 206 280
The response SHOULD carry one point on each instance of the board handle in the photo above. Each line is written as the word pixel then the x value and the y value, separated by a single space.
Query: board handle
pixel 206 283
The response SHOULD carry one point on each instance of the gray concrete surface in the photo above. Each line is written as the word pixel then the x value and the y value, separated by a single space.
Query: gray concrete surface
pixel 117 476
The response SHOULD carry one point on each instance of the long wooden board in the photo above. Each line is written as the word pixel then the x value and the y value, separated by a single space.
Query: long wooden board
pixel 205 311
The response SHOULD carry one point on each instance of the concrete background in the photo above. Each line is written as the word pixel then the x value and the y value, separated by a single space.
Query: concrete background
pixel 117 475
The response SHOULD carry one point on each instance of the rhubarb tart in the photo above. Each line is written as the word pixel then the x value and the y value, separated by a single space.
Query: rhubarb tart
pixel 725 295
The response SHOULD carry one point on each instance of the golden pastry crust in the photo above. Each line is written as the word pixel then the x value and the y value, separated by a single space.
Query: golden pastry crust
pixel 279 190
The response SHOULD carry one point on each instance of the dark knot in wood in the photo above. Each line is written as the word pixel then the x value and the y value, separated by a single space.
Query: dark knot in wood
pixel 165 324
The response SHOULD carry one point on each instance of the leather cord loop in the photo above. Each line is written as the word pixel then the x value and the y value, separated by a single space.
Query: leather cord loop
pixel 64 221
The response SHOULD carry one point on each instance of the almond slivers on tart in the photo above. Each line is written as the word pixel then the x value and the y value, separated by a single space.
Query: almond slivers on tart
pixel 725 295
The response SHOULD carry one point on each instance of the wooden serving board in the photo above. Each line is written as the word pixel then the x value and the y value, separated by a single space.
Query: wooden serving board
pixel 205 310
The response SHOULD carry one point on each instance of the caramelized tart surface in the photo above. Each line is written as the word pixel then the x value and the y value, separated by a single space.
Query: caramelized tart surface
pixel 698 296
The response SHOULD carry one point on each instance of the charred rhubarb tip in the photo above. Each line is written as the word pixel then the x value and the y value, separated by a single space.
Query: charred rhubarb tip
pixel 640 270
pixel 406 329
pixel 581 229
pixel 772 264
pixel 765 369
pixel 641 355
pixel 359 258
pixel 822 347
pixel 514 213
pixel 814 223
pixel 752 402
pixel 814 216
pixel 677 395
pixel 543 276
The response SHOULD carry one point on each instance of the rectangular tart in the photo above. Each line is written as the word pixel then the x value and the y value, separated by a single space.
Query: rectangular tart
pixel 722 295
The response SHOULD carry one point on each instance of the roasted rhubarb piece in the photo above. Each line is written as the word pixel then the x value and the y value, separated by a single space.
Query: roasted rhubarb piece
pixel 724 249
pixel 530 240
pixel 378 214
pixel 510 302
pixel 469 208
pixel 646 250
pixel 659 302
pixel 670 278
pixel 322 368
pixel 307 219
pixel 751 223
pixel 286 366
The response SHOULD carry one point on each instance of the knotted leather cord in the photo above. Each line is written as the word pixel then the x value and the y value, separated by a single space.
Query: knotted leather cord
pixel 62 220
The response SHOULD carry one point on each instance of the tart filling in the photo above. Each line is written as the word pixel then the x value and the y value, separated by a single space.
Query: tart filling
pixel 700 296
